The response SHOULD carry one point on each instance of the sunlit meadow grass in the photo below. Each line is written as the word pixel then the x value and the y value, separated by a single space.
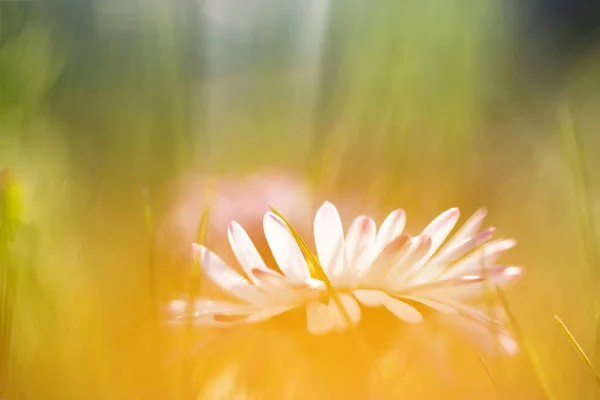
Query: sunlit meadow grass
pixel 391 104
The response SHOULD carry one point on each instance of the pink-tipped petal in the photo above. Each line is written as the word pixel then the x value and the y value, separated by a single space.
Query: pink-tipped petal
pixel 244 250
pixel 410 264
pixel 329 240
pixel 461 288
pixel 276 285
pixel 440 262
pixel 390 229
pixel 440 228
pixel 360 247
pixel 508 343
pixel 469 228
pixel 226 278
pixel 285 249
pixel 386 260
pixel 484 256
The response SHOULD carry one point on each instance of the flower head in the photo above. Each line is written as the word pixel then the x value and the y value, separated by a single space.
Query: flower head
pixel 366 267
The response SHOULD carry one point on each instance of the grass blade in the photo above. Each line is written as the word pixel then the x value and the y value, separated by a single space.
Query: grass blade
pixel 532 355
pixel 320 274
pixel 490 375
pixel 193 289
pixel 202 231
pixel 10 218
pixel 578 348
pixel 316 266
pixel 583 206
pixel 151 253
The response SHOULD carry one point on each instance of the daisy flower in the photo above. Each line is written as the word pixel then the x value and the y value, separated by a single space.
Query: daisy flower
pixel 367 267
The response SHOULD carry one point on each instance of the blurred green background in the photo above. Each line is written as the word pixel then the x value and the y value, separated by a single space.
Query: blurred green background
pixel 421 105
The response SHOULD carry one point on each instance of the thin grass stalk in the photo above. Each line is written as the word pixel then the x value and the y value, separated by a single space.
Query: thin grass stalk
pixel 152 275
pixel 151 257
pixel 579 349
pixel 490 375
pixel 532 355
pixel 584 209
pixel 193 290
pixel 320 274
pixel 10 205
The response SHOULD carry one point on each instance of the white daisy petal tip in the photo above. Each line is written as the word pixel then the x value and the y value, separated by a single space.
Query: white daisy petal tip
pixel 232 227
pixel 513 271
pixel 421 240
pixel 481 213
pixel 509 344
pixel 366 223
pixel 327 208
pixel 272 216
pixel 489 232
pixel 451 213
pixel 177 306
pixel 399 213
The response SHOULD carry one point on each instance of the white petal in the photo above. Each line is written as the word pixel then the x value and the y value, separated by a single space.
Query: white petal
pixel 495 276
pixel 454 252
pixel 337 318
pixel 178 306
pixel 360 246
pixel 205 312
pixel 508 343
pixel 489 321
pixel 207 306
pixel 452 289
pixel 285 249
pixel 244 250
pixel 329 240
pixel 318 320
pixel 409 265
pixel 210 321
pixel 440 228
pixel 226 278
pixel 370 298
pixel 315 284
pixel 276 285
pixel 489 335
pixel 386 260
pixel 469 228
pixel 264 315
pixel 390 229
pixel 483 257
pixel 434 304
pixel 351 309
pixel 402 310
pixel 440 262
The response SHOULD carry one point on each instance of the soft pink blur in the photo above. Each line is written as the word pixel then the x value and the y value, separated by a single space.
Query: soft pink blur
pixel 243 198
